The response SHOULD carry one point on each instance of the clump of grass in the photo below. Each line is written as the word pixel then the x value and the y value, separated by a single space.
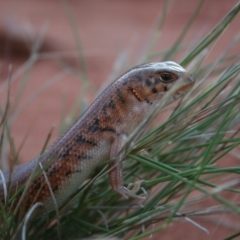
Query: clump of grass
pixel 177 159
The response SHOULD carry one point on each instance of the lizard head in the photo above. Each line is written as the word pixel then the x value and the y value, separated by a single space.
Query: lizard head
pixel 161 78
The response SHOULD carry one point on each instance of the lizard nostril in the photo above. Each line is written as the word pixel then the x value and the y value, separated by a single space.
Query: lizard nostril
pixel 192 78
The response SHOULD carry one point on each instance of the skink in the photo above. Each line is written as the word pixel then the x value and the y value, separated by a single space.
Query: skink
pixel 98 135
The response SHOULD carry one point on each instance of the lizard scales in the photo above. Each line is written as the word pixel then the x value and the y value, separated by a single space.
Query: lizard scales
pixel 99 135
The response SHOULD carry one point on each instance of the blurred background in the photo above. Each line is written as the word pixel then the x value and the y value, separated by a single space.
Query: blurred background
pixel 63 51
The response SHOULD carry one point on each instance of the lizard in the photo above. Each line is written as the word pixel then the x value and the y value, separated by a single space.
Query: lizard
pixel 97 136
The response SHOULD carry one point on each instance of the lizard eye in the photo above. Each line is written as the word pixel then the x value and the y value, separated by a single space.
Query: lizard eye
pixel 166 77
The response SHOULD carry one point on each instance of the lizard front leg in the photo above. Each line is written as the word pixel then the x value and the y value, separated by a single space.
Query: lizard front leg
pixel 116 172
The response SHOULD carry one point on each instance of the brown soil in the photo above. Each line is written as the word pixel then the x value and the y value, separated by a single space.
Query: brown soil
pixel 106 30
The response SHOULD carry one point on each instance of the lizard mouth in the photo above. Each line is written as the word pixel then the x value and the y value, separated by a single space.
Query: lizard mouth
pixel 136 95
pixel 189 82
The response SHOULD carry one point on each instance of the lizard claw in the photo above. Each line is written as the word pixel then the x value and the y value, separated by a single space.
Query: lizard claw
pixel 131 190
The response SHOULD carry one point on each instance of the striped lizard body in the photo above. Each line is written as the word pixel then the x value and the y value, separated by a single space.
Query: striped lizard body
pixel 99 135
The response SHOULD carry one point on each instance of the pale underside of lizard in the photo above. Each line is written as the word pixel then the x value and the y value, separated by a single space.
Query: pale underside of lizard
pixel 97 136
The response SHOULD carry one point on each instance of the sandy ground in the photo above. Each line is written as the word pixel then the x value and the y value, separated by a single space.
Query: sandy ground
pixel 106 31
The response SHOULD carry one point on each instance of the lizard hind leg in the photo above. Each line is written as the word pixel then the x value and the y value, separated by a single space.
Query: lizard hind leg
pixel 116 172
